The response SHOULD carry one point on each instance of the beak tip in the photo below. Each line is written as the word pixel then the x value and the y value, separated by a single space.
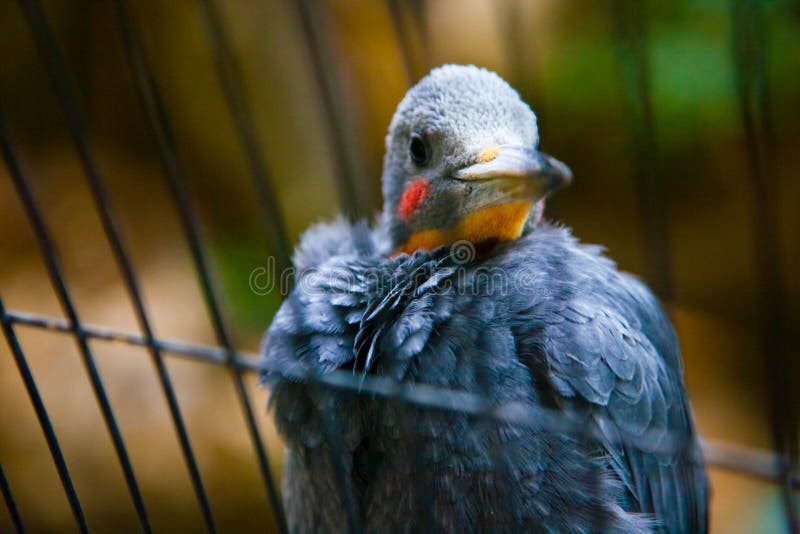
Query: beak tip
pixel 549 173
pixel 563 173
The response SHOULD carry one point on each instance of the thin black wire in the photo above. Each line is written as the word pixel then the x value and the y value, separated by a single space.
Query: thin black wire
pixel 162 130
pixel 51 56
pixel 415 64
pixel 523 62
pixel 403 40
pixel 11 505
pixel 56 276
pixel 25 194
pixel 753 90
pixel 752 462
pixel 343 477
pixel 201 353
pixel 512 32
pixel 336 456
pixel 48 250
pixel 419 19
pixel 630 21
pixel 135 59
pixel 67 95
pixel 350 195
pixel 229 74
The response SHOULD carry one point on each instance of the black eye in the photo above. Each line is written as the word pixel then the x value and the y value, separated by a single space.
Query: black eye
pixel 420 154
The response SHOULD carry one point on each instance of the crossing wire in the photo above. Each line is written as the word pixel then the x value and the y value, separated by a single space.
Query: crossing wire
pixel 51 55
pixel 752 462
pixel 54 269
pixel 175 175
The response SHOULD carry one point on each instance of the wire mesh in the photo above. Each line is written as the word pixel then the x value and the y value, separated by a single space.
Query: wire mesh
pixel 13 342
pixel 779 467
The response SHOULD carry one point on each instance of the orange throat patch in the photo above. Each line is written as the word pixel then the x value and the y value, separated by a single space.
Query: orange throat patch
pixel 499 223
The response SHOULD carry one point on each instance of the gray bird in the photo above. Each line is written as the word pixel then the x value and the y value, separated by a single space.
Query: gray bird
pixel 462 286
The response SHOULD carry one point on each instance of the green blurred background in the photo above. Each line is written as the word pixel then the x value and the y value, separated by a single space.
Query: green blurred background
pixel 562 56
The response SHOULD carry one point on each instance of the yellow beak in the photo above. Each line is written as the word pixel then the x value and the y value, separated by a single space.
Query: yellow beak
pixel 521 173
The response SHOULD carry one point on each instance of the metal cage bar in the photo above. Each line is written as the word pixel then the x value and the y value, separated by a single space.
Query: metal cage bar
pixel 45 424
pixel 143 77
pixel 229 75
pixel 415 64
pixel 752 87
pixel 43 236
pixel 175 176
pixel 404 40
pixel 350 195
pixel 11 505
pixel 47 46
pixel 343 479
pixel 630 24
pixel 752 462
pixel 336 456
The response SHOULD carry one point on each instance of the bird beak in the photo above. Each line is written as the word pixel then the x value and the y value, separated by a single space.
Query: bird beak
pixel 518 172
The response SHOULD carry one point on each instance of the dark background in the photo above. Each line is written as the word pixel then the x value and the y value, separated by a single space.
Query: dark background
pixel 569 63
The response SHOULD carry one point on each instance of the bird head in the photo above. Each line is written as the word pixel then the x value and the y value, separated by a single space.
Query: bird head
pixel 462 162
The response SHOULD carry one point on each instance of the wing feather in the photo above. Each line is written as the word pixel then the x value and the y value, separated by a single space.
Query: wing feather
pixel 610 350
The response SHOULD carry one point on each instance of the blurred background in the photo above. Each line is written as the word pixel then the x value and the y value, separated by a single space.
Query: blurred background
pixel 642 100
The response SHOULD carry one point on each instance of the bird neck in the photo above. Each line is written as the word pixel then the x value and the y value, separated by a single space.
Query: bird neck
pixel 493 224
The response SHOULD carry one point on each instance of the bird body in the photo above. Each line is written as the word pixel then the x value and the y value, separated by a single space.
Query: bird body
pixel 522 314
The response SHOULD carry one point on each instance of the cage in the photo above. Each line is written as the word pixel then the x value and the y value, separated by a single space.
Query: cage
pixel 162 157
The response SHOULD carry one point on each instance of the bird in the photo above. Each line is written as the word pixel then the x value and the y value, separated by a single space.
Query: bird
pixel 461 285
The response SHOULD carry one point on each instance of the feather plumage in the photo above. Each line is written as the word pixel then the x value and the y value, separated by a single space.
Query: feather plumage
pixel 566 331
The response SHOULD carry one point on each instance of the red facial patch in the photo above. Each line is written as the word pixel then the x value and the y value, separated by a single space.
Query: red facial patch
pixel 413 197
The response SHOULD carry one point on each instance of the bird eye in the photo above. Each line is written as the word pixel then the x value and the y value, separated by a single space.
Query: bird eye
pixel 420 154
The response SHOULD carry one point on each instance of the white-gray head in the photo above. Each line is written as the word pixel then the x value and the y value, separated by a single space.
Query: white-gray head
pixel 462 162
